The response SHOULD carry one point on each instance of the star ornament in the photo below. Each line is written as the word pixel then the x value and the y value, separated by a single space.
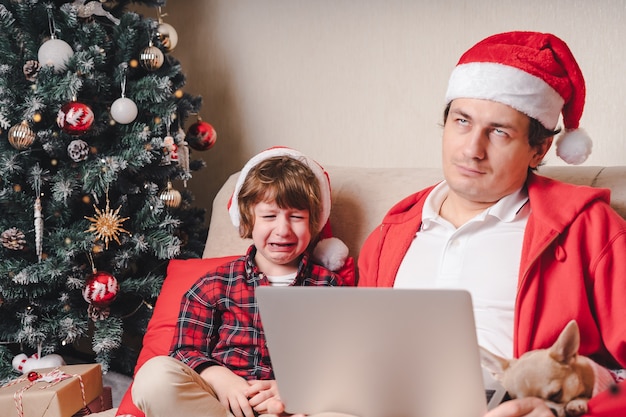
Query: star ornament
pixel 107 224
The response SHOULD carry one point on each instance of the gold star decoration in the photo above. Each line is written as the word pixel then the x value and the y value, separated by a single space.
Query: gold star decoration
pixel 107 224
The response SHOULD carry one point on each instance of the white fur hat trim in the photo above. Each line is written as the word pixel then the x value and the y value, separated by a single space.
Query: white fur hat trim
pixel 322 177
pixel 507 85
pixel 331 253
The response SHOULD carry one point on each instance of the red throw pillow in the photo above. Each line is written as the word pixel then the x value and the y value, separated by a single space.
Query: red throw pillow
pixel 181 274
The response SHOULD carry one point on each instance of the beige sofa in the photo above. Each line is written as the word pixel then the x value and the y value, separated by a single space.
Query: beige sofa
pixel 361 197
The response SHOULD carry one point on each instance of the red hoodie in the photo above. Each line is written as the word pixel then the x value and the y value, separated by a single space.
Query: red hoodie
pixel 573 266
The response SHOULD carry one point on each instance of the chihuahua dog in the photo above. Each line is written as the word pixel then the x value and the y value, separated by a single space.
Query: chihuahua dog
pixel 558 374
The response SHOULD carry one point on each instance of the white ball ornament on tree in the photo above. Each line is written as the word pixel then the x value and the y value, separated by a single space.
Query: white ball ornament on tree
pixel 124 110
pixel 55 52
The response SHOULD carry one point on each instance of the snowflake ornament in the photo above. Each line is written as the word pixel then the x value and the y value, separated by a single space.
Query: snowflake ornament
pixel 107 224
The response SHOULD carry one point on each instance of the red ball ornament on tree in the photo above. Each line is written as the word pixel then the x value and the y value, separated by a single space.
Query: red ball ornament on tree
pixel 100 289
pixel 201 136
pixel 75 118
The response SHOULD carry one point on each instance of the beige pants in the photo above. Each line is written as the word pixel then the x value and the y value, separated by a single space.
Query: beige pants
pixel 166 387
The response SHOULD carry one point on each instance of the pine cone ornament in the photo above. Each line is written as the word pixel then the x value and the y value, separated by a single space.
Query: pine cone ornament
pixel 13 239
pixel 78 150
pixel 31 69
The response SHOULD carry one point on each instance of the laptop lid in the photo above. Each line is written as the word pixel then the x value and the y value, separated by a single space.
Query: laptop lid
pixel 374 352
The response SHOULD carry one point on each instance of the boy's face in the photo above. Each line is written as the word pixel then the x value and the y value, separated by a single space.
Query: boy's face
pixel 280 235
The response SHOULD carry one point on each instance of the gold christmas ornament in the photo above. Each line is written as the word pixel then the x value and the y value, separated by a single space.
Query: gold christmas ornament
pixel 151 58
pixel 168 36
pixel 21 136
pixel 107 224
pixel 171 196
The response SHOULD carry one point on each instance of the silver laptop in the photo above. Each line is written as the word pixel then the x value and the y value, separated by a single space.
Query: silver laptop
pixel 375 352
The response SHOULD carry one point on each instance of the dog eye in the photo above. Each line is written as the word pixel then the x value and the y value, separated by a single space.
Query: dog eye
pixel 556 397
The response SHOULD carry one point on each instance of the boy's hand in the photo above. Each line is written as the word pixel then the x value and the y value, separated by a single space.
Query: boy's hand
pixel 261 393
pixel 276 408
pixel 230 389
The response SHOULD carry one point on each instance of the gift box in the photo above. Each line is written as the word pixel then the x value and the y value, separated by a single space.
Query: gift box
pixel 103 402
pixel 52 392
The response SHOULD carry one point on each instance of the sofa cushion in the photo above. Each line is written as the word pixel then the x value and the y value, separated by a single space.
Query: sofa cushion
pixel 181 274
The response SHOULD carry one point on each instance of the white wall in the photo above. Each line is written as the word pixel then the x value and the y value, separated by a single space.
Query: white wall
pixel 361 83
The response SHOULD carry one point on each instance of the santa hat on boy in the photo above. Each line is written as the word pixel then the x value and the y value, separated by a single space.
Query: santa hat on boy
pixel 330 251
pixel 536 74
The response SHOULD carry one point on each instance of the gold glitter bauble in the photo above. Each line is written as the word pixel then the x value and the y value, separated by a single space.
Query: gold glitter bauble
pixel 21 136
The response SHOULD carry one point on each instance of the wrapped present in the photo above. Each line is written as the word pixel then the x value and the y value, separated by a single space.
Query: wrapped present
pixel 103 402
pixel 53 392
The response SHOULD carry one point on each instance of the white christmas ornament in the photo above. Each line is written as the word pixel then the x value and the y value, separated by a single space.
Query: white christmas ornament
pixel 25 364
pixel 55 52
pixel 123 110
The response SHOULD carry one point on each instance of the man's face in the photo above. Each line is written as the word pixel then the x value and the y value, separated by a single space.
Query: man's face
pixel 486 154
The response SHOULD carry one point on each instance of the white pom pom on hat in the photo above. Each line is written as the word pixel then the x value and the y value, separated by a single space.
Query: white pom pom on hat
pixel 536 74
pixel 331 254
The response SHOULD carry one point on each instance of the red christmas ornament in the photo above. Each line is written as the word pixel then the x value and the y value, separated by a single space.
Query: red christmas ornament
pixel 75 118
pixel 100 289
pixel 33 376
pixel 201 136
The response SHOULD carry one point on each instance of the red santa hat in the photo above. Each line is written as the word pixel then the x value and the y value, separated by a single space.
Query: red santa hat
pixel 536 74
pixel 330 251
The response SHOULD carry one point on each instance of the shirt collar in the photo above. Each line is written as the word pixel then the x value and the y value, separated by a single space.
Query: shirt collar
pixel 506 209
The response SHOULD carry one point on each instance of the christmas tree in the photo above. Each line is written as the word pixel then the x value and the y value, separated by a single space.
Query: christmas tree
pixel 92 113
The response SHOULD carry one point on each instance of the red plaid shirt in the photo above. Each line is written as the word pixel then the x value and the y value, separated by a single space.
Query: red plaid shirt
pixel 219 321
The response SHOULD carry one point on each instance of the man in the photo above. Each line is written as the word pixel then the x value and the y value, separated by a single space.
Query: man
pixel 533 252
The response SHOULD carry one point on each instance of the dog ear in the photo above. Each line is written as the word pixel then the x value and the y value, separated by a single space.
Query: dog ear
pixel 495 364
pixel 565 349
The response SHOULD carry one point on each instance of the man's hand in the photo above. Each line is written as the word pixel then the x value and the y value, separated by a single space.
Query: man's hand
pixel 521 407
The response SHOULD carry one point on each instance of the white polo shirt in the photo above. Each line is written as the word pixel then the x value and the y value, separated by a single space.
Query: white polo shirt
pixel 482 256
